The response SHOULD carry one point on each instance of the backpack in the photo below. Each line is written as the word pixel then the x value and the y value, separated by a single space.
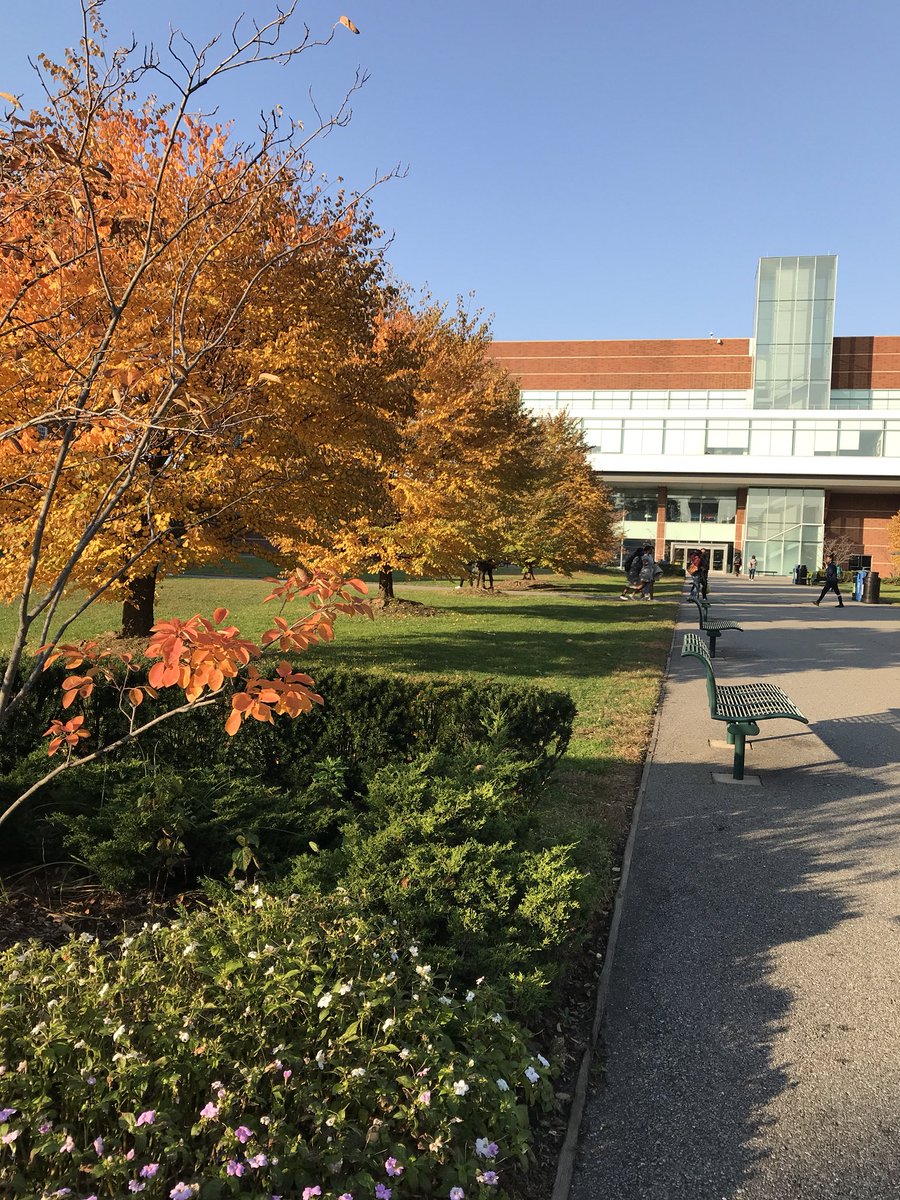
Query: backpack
pixel 694 564
pixel 634 557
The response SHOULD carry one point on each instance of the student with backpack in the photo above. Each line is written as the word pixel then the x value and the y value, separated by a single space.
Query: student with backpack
pixel 633 565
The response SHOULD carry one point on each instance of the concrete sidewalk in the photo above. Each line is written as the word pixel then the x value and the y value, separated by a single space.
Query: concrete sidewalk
pixel 752 1033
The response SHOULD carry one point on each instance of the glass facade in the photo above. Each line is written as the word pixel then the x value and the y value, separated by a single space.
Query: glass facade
pixel 784 528
pixel 793 332
pixel 768 437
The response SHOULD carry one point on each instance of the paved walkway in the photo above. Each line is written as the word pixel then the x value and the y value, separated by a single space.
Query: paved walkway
pixel 752 1035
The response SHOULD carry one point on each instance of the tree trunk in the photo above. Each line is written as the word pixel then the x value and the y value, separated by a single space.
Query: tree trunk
pixel 385 583
pixel 137 610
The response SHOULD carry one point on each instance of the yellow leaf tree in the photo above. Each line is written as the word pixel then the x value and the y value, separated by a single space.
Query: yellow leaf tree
pixel 564 517
pixel 461 455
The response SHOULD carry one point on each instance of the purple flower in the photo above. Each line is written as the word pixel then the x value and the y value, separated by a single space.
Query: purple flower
pixel 130 1155
pixel 488 1177
pixel 393 1167
pixel 62 1192
pixel 147 1117
pixel 257 1161
pixel 486 1149
pixel 311 1192
pixel 134 1186
pixel 425 1098
pixel 91 1080
pixel 287 1075
pixel 346 1196
pixel 243 1134
pixel 457 1194
pixel 235 1168
pixel 6 1113
pixel 9 1138
pixel 209 1111
pixel 183 1191
pixel 149 1171
pixel 44 1127
pixel 382 1192
pixel 68 1145
pixel 98 1145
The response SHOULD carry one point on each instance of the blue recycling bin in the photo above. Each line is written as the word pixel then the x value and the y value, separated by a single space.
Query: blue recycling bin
pixel 859 585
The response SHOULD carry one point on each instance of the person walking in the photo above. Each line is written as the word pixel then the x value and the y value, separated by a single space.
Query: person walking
pixel 633 565
pixel 831 583
pixel 737 562
pixel 751 567
pixel 703 573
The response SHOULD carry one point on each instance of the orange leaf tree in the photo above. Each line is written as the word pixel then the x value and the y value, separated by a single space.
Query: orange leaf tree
pixel 141 419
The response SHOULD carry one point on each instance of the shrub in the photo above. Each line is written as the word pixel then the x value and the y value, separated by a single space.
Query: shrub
pixel 261 1046
pixel 445 847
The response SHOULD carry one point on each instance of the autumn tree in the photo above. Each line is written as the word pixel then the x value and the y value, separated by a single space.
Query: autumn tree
pixel 564 516
pixel 461 455
pixel 138 240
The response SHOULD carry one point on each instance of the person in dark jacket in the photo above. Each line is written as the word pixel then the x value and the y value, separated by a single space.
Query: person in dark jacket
pixel 703 573
pixel 831 583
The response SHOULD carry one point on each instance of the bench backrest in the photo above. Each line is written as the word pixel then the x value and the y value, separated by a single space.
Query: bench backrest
pixel 694 646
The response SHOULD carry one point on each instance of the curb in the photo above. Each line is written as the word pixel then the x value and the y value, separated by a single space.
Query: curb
pixel 566 1164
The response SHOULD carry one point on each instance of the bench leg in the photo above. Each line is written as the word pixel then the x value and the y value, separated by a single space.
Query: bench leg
pixel 736 733
pixel 713 638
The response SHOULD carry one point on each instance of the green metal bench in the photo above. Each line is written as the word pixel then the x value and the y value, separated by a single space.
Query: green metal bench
pixel 742 705
pixel 713 626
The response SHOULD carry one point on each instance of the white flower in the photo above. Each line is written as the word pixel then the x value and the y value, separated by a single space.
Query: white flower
pixel 542 1061
pixel 344 989
pixel 258 903
pixel 531 1075
pixel 118 1033
pixel 189 949
pixel 404 1053
pixel 252 954
pixel 460 1087
pixel 496 1018
pixel 324 1000
pixel 502 1085
pixel 424 970
pixel 445 1000
pixel 358 1072
pixel 470 996
pixel 389 1023
pixel 414 951
pixel 320 1060
pixel 184 1036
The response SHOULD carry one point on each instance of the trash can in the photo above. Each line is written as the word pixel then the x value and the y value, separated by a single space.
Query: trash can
pixel 859 584
pixel 872 588
pixel 796 575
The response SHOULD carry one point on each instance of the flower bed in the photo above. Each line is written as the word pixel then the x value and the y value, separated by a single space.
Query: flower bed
pixel 261 1047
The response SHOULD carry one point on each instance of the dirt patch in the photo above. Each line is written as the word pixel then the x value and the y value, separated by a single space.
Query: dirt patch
pixel 51 911
pixel 402 608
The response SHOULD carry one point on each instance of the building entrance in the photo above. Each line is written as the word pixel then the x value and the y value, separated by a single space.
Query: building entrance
pixel 719 555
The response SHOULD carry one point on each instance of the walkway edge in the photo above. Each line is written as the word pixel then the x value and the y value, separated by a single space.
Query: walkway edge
pixel 565 1168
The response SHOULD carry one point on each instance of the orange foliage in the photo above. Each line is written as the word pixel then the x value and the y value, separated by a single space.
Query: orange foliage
pixel 200 656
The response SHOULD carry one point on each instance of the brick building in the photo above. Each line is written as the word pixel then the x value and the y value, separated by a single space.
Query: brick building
pixel 768 445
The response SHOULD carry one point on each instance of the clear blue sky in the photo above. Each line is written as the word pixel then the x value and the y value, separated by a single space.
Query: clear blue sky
pixel 589 168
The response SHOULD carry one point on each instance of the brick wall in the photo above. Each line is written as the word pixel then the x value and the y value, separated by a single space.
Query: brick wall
pixel 865 362
pixel 864 517
pixel 689 363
